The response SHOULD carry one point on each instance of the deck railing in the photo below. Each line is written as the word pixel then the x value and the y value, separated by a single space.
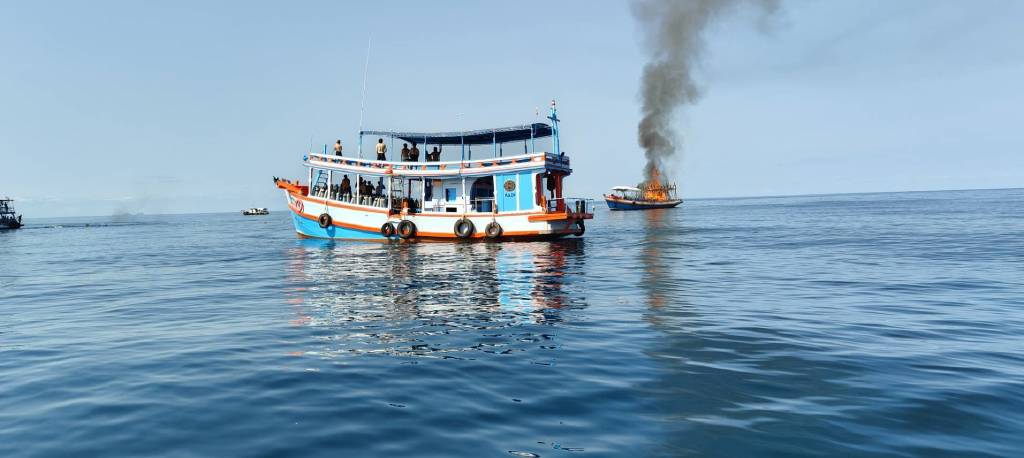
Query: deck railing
pixel 442 165
pixel 483 204
pixel 569 205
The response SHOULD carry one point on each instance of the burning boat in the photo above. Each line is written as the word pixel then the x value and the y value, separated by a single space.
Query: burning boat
pixel 650 194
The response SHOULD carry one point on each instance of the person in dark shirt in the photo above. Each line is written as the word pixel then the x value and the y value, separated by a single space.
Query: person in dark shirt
pixel 346 187
pixel 434 155
pixel 414 154
pixel 405 152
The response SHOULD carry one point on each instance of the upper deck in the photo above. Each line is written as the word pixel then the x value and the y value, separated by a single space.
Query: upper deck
pixel 443 169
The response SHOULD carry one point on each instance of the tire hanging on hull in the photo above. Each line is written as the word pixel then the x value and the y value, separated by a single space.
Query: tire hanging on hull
pixel 493 230
pixel 325 221
pixel 406 229
pixel 580 228
pixel 464 228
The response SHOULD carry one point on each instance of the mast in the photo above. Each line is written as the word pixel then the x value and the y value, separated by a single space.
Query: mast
pixel 554 127
pixel 362 104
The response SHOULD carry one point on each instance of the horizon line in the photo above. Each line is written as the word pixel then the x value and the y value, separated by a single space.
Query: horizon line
pixel 775 196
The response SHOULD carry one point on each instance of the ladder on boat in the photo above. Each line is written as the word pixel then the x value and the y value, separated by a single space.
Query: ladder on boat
pixel 397 193
pixel 321 184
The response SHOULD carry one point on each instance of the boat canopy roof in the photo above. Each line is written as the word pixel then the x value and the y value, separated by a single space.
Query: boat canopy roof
pixel 626 188
pixel 469 137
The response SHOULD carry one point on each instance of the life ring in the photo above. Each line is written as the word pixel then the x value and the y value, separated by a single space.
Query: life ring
pixel 493 230
pixel 324 220
pixel 387 230
pixel 580 228
pixel 464 228
pixel 406 229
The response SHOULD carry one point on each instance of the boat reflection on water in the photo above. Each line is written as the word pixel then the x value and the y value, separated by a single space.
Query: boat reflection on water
pixel 654 257
pixel 433 299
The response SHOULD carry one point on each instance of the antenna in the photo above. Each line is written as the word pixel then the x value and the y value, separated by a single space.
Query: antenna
pixel 366 69
pixel 363 103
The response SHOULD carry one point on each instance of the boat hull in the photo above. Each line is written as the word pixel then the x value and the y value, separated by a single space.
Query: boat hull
pixel 352 222
pixel 622 204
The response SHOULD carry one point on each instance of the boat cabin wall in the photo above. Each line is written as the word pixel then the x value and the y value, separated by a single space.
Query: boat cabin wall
pixel 444 196
pixel 516 191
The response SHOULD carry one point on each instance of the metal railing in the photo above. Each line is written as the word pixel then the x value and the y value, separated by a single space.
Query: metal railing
pixel 483 204
pixel 434 168
pixel 569 205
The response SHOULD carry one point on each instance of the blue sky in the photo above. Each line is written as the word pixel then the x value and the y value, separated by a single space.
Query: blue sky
pixel 187 106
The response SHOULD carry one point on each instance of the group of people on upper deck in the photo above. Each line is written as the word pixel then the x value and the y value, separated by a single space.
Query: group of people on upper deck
pixel 408 154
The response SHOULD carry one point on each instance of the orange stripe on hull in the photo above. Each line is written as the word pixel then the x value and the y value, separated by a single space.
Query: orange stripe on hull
pixel 440 235
pixel 533 214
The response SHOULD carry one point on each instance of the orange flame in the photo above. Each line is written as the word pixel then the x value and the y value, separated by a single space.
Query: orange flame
pixel 653 189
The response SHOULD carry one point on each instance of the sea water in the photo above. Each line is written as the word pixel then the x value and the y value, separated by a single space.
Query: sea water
pixel 840 325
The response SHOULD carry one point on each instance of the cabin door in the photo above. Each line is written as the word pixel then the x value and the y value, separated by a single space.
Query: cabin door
pixel 507 191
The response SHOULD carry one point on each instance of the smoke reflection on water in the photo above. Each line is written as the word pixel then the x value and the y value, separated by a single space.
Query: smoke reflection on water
pixel 433 293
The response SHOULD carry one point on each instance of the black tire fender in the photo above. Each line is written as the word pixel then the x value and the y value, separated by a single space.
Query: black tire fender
pixel 580 228
pixel 493 230
pixel 325 220
pixel 464 228
pixel 406 229
pixel 387 229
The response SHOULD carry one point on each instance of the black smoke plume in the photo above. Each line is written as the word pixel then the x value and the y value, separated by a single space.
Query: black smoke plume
pixel 672 36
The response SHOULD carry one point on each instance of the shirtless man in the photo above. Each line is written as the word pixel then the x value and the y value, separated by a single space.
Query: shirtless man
pixel 381 149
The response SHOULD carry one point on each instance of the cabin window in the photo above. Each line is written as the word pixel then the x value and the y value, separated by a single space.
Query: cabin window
pixel 450 194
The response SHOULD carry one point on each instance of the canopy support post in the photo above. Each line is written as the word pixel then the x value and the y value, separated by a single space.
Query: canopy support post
pixel 494 142
pixel 360 144
pixel 533 141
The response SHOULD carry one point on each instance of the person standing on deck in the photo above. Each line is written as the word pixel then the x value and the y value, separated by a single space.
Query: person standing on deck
pixel 434 155
pixel 405 152
pixel 346 187
pixel 552 183
pixel 381 149
pixel 337 148
pixel 414 155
